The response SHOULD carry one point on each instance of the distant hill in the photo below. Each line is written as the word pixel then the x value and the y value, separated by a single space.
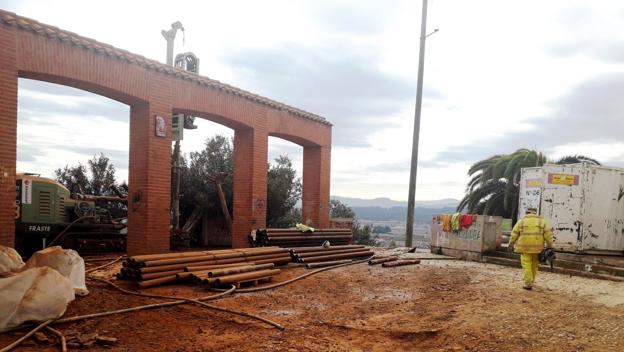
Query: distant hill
pixel 421 214
pixel 389 203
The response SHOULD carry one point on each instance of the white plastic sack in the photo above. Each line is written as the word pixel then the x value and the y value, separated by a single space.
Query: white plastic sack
pixel 36 294
pixel 10 261
pixel 65 261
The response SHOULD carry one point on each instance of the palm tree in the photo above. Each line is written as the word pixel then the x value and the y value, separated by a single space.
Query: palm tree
pixel 494 183
pixel 576 159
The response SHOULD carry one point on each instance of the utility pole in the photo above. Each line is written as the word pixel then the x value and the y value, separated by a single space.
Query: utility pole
pixel 409 226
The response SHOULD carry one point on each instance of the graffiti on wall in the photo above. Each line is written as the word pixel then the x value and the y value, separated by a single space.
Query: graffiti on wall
pixel 473 233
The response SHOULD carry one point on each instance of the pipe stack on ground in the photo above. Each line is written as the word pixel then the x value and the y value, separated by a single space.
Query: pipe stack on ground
pixel 295 238
pixel 158 269
pixel 332 253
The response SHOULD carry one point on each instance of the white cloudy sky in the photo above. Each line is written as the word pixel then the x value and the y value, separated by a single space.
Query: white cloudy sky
pixel 500 75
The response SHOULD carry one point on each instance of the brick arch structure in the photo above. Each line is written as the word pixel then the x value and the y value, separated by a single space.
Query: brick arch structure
pixel 30 49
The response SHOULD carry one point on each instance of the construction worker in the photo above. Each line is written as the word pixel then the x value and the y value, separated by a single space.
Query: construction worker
pixel 527 239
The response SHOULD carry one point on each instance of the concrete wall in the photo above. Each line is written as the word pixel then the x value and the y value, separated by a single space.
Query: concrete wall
pixel 483 236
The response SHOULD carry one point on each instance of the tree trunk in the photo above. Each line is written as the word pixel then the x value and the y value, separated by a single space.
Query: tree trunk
pixel 224 207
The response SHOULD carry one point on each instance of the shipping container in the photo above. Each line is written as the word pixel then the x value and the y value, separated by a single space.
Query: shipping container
pixel 531 182
pixel 583 203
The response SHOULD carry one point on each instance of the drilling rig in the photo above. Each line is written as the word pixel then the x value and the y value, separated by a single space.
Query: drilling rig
pixel 188 62
pixel 47 213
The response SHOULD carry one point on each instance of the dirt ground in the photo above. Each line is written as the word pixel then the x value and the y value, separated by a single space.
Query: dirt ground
pixel 439 305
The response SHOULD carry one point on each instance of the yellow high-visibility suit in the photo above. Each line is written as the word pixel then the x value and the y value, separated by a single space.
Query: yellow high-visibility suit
pixel 527 238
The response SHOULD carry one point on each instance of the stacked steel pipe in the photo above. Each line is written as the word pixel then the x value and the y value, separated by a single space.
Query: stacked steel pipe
pixel 332 253
pixel 294 237
pixel 157 269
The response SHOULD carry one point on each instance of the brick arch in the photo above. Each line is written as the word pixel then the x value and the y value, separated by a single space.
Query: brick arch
pixel 316 175
pixel 34 50
pixel 88 86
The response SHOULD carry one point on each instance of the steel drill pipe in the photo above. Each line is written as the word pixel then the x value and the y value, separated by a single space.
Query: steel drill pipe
pixel 297 230
pixel 328 252
pixel 260 251
pixel 400 263
pixel 163 262
pixel 270 256
pixel 157 282
pixel 148 257
pixel 382 260
pixel 153 269
pixel 220 254
pixel 270 233
pixel 325 258
pixel 313 243
pixel 216 266
pixel 197 261
pixel 239 269
pixel 230 261
pixel 184 275
pixel 211 263
pixel 217 257
pixel 294 241
pixel 306 241
pixel 204 273
pixel 294 237
pixel 210 281
pixel 300 257
pixel 307 234
pixel 310 242
pixel 157 275
pixel 324 264
pixel 321 248
pixel 128 272
pixel 254 275
pixel 322 237
pixel 276 261
pixel 182 266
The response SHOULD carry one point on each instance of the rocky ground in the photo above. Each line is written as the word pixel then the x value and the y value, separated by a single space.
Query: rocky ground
pixel 439 305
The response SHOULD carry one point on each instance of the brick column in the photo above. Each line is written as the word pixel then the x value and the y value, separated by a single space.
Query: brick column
pixel 149 179
pixel 316 174
pixel 8 134
pixel 250 183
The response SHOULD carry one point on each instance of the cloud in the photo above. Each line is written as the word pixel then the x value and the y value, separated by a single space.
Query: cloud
pixel 119 158
pixel 343 84
pixel 38 98
pixel 28 153
pixel 277 148
pixel 578 23
pixel 402 166
pixel 59 125
pixel 355 17
pixel 588 114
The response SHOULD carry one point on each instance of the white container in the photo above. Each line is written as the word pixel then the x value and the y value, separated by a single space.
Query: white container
pixel 583 203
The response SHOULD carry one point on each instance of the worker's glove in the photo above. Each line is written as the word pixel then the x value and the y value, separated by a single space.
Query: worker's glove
pixel 511 247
